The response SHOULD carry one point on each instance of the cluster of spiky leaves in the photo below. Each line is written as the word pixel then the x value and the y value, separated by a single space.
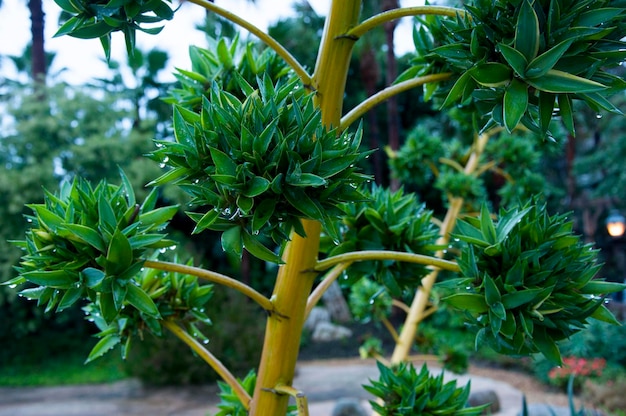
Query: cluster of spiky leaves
pixel 87 240
pixel 223 64
pixel 386 221
pixel 528 281
pixel 92 19
pixel 175 296
pixel 404 391
pixel 90 243
pixel 260 164
pixel 520 61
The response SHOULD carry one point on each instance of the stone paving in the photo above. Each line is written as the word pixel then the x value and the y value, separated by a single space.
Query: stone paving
pixel 323 383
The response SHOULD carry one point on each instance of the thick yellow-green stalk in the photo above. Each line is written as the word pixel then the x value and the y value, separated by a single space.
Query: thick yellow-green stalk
pixel 295 277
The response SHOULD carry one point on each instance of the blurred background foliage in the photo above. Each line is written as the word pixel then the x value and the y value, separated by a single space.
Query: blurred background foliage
pixel 51 131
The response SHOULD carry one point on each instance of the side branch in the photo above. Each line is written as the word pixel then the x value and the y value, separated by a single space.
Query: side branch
pixel 387 93
pixel 264 37
pixel 210 359
pixel 394 14
pixel 386 255
pixel 214 277
pixel 330 277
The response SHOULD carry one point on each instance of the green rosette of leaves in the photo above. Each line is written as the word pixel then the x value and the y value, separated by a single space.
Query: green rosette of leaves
pixel 90 243
pixel 527 282
pixel 520 61
pixel 257 165
pixel 391 221
pixel 91 19
pixel 404 391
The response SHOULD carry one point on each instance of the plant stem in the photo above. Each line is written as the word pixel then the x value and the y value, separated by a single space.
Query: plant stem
pixel 330 277
pixel 215 364
pixel 394 14
pixel 264 37
pixel 295 277
pixel 386 255
pixel 387 93
pixel 214 277
pixel 390 328
pixel 284 328
pixel 420 301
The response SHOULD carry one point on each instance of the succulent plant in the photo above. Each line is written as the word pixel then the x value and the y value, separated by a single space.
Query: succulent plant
pixel 387 220
pixel 404 391
pixel 521 61
pixel 527 281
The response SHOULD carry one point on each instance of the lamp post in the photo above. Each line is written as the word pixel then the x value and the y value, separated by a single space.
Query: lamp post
pixel 616 226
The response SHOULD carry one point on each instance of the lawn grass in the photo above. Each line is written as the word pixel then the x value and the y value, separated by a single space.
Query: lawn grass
pixel 56 359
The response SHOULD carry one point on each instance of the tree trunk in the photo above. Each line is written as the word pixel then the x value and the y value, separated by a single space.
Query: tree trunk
pixel 38 53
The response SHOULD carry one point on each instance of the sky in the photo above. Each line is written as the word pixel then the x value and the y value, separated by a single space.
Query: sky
pixel 78 60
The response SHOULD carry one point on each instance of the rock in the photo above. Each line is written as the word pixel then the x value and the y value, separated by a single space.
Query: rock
pixel 325 331
pixel 478 398
pixel 317 315
pixel 349 407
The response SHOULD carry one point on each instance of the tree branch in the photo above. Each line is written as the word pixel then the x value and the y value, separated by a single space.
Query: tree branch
pixel 210 359
pixel 386 255
pixel 264 37
pixel 394 14
pixel 214 277
pixel 330 277
pixel 387 93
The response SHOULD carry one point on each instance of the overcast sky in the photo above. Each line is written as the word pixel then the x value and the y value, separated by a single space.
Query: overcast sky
pixel 83 58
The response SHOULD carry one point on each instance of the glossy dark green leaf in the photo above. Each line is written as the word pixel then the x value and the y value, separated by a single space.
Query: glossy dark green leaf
pixel 308 179
pixel 492 74
pixel 486 226
pixel 456 92
pixel 605 315
pixel 158 216
pixel 53 278
pixel 70 297
pixel 232 241
pixel 91 30
pixel 555 81
pixel 257 249
pixel 106 215
pixel 492 294
pixel 546 109
pixel 599 287
pixel 224 165
pixel 119 292
pixel 527 31
pixel 172 175
pixel 206 221
pixel 88 235
pixel 539 66
pixel 470 302
pixel 514 58
pixel 256 186
pixel 92 277
pixel 120 253
pixel 522 297
pixel 137 297
pixel 104 345
pixel 598 16
pixel 107 306
pixel 546 345
pixel 262 213
pixel 245 204
pixel 515 104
